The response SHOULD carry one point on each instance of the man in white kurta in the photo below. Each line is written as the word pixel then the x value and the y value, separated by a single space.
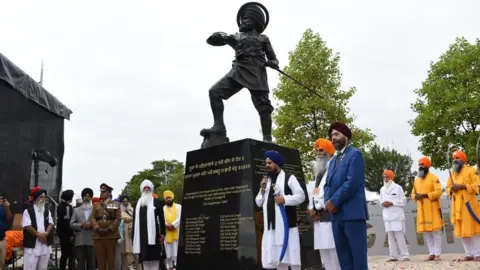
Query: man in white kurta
pixel 37 258
pixel 291 194
pixel 322 226
pixel 393 200
pixel 172 212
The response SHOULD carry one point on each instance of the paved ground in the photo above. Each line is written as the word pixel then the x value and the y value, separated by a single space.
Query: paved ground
pixel 379 262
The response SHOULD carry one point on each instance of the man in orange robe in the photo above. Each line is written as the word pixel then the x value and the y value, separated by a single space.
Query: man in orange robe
pixel 426 191
pixel 462 187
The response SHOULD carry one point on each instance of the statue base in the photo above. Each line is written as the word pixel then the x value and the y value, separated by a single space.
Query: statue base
pixel 220 223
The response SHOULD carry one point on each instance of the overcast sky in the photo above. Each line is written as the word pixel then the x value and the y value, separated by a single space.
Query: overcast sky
pixel 136 73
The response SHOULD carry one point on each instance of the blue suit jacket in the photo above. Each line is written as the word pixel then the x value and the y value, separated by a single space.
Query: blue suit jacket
pixel 345 186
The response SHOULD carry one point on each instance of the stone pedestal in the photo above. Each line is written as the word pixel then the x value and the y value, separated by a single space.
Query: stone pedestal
pixel 221 227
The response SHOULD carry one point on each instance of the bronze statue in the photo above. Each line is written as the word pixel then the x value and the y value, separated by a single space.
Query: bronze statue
pixel 253 53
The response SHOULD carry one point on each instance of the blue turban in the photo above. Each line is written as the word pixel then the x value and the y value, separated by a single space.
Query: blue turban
pixel 276 157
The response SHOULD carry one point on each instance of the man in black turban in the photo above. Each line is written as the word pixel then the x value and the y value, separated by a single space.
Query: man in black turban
pixel 345 199
pixel 248 69
pixel 64 233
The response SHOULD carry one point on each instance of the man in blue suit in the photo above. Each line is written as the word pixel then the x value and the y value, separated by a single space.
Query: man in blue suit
pixel 345 200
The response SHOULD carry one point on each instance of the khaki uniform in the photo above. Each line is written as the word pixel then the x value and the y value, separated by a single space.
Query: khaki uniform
pixel 106 215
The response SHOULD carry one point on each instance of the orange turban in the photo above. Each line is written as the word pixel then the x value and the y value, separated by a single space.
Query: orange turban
pixel 95 200
pixel 460 155
pixel 426 161
pixel 389 173
pixel 326 145
pixel 155 196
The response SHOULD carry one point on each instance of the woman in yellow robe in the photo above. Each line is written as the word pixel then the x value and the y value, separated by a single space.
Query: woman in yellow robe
pixel 461 189
pixel 427 191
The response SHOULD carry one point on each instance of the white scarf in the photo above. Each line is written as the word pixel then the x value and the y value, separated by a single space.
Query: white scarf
pixel 151 228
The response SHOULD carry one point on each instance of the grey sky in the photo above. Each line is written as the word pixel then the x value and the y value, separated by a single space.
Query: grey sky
pixel 137 74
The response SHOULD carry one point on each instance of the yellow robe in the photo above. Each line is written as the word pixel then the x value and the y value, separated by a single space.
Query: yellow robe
pixel 464 224
pixel 429 218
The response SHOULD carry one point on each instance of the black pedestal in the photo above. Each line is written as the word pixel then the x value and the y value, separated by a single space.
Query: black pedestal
pixel 221 227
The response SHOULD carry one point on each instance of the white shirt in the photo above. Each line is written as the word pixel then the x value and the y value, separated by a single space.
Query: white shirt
pixel 40 249
pixel 395 195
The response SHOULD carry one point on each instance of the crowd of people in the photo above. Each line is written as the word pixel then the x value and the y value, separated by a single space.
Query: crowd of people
pixel 102 233
pixel 338 207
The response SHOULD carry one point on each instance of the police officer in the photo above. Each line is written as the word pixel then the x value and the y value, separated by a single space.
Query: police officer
pixel 105 219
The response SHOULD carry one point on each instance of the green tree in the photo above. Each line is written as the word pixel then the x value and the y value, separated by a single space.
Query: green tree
pixel 378 159
pixel 448 104
pixel 300 117
pixel 164 174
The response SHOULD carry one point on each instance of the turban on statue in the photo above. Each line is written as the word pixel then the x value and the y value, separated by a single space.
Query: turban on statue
pixel 168 193
pixel 276 157
pixel 86 191
pixel 425 161
pixel 389 173
pixel 67 195
pixel 460 155
pixel 340 127
pixel 326 145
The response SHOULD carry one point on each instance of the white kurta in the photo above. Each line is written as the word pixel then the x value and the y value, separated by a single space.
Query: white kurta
pixel 322 231
pixel 394 216
pixel 272 240
pixel 172 248
pixel 36 258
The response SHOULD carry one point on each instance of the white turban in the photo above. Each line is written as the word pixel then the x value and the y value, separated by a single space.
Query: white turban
pixel 146 183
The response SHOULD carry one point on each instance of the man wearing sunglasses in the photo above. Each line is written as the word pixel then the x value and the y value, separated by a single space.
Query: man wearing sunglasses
pixel 5 218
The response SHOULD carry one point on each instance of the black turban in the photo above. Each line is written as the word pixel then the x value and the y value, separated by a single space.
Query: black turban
pixel 67 195
pixel 86 191
pixel 340 127
pixel 38 193
pixel 123 197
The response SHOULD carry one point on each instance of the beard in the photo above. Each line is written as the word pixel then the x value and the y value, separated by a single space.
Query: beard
pixel 387 184
pixel 124 207
pixel 87 203
pixel 320 165
pixel 41 206
pixel 146 199
pixel 169 203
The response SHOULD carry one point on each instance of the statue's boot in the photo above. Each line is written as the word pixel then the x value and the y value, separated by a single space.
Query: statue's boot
pixel 266 122
pixel 218 125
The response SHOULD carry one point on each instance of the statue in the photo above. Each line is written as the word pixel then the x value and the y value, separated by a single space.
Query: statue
pixel 253 53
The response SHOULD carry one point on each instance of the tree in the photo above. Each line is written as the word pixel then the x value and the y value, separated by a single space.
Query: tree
pixel 448 104
pixel 301 118
pixel 164 174
pixel 378 159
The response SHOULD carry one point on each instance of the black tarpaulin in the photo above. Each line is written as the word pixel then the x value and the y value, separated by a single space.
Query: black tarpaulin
pixel 30 89
pixel 30 119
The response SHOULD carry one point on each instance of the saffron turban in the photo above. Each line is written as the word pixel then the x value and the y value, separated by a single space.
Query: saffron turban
pixel 168 193
pixel 276 157
pixel 340 127
pixel 425 161
pixel 460 155
pixel 389 173
pixel 326 145
pixel 95 200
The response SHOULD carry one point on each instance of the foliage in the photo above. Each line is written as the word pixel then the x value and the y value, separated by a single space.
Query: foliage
pixel 378 159
pixel 302 117
pixel 448 104
pixel 164 174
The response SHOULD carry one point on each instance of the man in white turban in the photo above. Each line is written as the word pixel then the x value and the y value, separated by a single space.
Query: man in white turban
pixel 148 229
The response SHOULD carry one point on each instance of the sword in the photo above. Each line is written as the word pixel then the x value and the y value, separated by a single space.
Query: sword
pixel 292 78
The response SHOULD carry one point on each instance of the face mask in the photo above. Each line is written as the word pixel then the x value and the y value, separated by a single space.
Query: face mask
pixel 422 172
pixel 457 165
